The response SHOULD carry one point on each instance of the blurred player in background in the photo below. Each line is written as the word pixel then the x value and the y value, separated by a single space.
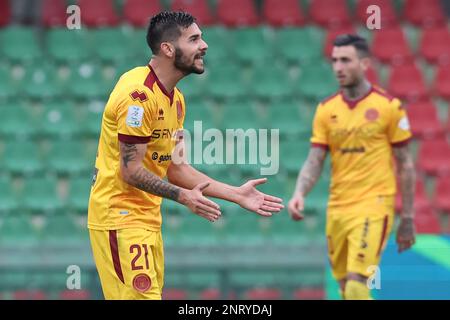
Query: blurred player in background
pixel 141 125
pixel 362 127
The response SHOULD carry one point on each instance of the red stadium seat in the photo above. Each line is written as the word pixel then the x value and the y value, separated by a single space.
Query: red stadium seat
pixel 174 294
pixel 331 36
pixel 391 46
pixel 372 76
pixel 98 13
pixel 435 45
pixel 5 13
pixel 263 294
pixel 407 82
pixel 441 194
pixel 198 8
pixel 433 157
pixel 288 14
pixel 388 14
pixel 309 294
pixel 138 12
pixel 330 13
pixel 442 82
pixel 424 13
pixel 235 13
pixel 53 13
pixel 74 295
pixel 426 221
pixel 29 295
pixel 210 294
pixel 421 200
pixel 424 120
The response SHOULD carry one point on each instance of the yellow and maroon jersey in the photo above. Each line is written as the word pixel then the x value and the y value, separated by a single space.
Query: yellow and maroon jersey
pixel 139 110
pixel 359 135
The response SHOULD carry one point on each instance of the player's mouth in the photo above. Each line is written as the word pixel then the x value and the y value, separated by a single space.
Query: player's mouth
pixel 199 56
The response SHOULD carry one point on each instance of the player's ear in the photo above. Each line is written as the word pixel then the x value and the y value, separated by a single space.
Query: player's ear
pixel 168 49
pixel 366 63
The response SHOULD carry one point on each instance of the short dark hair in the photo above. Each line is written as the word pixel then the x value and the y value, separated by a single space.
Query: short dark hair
pixel 354 40
pixel 165 26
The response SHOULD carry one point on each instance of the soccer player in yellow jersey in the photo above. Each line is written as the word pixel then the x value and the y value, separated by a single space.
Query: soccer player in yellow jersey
pixel 361 127
pixel 142 122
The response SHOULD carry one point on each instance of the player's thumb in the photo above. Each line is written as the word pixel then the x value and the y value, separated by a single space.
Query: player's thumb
pixel 258 181
pixel 202 186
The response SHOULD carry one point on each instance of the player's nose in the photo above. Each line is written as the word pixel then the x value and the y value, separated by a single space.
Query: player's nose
pixel 203 45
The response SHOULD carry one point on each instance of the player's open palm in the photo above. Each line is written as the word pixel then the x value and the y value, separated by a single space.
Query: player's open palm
pixel 199 204
pixel 296 206
pixel 256 201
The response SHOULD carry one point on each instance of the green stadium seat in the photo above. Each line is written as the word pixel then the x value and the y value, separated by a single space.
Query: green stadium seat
pixel 59 120
pixel 8 200
pixel 196 231
pixel 218 40
pixel 271 82
pixel 41 81
pixel 316 81
pixel 62 230
pixel 203 279
pixel 293 154
pixel 17 122
pixel 79 190
pixel 199 111
pixel 140 47
pixel 317 199
pixel 192 87
pixel 250 45
pixel 284 230
pixel 92 120
pixel 67 46
pixel 19 44
pixel 226 82
pixel 243 222
pixel 18 231
pixel 87 82
pixel 241 114
pixel 8 87
pixel 292 124
pixel 22 158
pixel 109 44
pixel 40 195
pixel 299 45
pixel 68 158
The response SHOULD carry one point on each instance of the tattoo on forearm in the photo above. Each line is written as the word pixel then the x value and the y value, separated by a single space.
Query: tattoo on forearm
pixel 129 153
pixel 148 182
pixel 407 175
pixel 311 170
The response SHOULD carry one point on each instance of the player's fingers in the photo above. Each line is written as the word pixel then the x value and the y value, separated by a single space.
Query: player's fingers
pixel 209 203
pixel 270 209
pixel 207 215
pixel 293 208
pixel 274 205
pixel 272 198
pixel 263 213
pixel 208 209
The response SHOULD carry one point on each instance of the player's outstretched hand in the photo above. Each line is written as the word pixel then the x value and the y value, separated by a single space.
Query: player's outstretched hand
pixel 296 206
pixel 198 204
pixel 406 234
pixel 253 200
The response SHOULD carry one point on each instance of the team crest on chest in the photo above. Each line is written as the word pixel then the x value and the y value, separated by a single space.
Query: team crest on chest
pixel 372 114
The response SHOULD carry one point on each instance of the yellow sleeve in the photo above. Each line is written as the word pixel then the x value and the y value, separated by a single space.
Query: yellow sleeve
pixel 319 130
pixel 135 114
pixel 399 130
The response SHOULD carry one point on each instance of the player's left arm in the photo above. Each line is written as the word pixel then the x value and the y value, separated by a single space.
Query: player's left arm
pixel 182 174
pixel 407 175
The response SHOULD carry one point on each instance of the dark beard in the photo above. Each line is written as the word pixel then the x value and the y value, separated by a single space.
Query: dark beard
pixel 182 65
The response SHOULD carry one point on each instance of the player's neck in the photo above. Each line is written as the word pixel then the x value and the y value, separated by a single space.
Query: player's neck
pixel 166 73
pixel 357 91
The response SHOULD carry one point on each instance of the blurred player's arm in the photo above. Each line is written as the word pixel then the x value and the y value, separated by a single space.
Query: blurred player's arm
pixel 182 174
pixel 407 175
pixel 135 174
pixel 307 178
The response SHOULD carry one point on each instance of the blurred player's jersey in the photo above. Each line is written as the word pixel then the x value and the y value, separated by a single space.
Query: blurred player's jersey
pixel 139 110
pixel 360 136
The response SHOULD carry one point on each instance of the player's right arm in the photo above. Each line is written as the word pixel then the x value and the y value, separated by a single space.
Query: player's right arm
pixel 307 178
pixel 135 174
pixel 312 168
